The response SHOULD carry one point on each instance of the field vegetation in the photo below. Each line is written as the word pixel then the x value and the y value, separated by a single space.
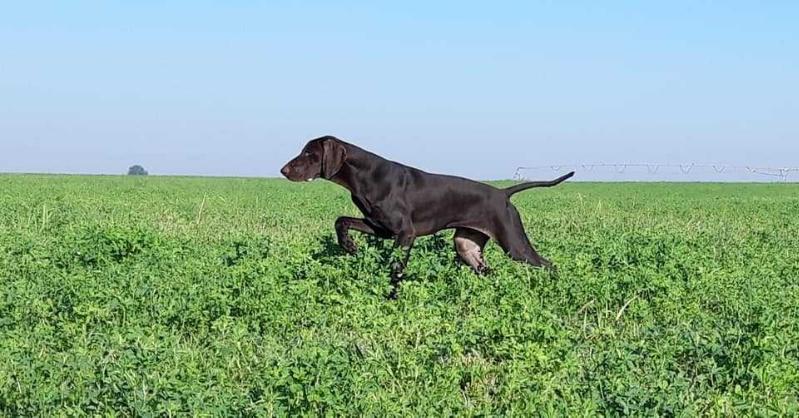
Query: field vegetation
pixel 166 296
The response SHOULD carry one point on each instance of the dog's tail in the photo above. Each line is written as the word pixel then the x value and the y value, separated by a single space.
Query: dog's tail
pixel 510 191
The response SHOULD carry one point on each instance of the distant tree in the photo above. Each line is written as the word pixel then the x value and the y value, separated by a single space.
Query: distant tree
pixel 137 170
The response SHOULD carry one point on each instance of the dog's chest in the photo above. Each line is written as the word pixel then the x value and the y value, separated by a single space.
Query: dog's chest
pixel 363 205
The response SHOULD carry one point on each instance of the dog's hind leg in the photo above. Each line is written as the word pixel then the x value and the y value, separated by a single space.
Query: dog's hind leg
pixel 511 237
pixel 469 245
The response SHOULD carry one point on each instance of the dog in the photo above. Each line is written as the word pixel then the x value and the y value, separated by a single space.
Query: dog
pixel 402 203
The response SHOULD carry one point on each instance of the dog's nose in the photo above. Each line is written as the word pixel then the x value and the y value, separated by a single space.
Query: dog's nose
pixel 285 170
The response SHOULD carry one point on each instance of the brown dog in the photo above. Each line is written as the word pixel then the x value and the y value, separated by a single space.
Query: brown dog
pixel 403 203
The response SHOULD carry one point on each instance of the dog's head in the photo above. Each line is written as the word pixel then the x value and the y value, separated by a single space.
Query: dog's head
pixel 321 157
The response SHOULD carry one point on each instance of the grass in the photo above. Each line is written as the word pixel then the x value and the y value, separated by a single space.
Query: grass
pixel 166 296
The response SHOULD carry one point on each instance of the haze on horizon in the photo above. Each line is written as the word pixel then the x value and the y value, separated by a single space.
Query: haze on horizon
pixel 466 88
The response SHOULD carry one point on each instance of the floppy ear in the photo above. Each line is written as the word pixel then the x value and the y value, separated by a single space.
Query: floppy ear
pixel 333 157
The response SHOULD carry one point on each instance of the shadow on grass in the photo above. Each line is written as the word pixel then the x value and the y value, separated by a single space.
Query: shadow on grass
pixel 434 249
pixel 328 249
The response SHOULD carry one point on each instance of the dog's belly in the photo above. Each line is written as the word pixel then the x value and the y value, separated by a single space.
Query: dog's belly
pixel 423 228
pixel 457 211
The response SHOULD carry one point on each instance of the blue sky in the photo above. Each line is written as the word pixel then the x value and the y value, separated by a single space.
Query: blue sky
pixel 469 88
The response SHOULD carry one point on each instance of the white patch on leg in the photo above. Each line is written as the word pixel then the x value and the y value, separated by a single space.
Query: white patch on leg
pixel 470 252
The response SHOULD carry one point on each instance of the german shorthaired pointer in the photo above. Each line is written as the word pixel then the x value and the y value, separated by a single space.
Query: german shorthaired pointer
pixel 403 203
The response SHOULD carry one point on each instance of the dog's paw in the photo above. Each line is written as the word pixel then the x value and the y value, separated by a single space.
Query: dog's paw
pixel 349 247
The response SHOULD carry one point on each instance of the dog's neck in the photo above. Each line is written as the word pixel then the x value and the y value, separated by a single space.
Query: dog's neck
pixel 356 169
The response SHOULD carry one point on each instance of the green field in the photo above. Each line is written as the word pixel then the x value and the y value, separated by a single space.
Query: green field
pixel 162 296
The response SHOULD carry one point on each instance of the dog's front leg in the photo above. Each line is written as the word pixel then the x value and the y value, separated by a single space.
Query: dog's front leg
pixel 345 223
pixel 400 257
